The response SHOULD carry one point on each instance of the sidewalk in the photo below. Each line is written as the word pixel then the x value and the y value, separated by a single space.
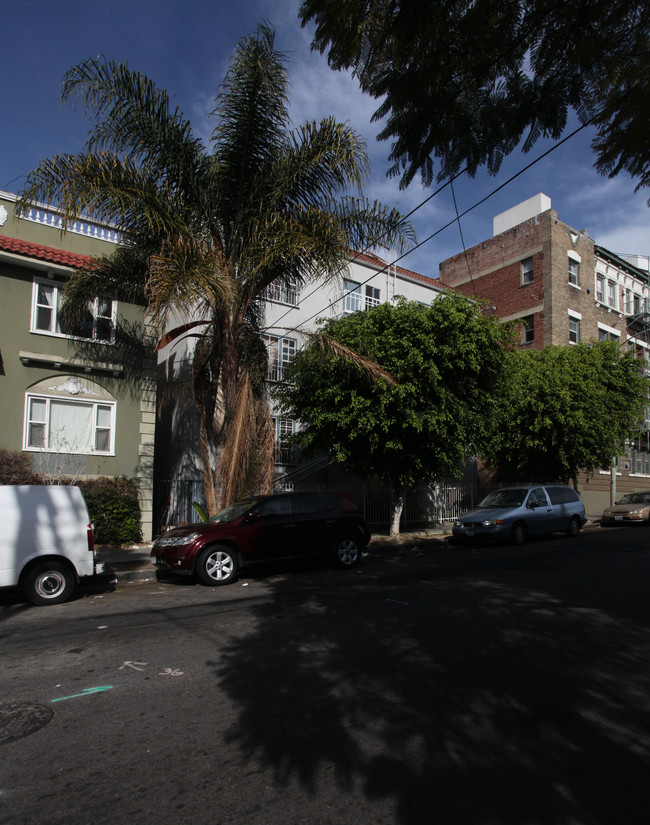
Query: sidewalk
pixel 133 564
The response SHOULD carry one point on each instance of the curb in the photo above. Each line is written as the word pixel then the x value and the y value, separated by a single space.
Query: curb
pixel 132 564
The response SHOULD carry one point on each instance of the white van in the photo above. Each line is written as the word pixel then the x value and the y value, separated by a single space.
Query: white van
pixel 46 541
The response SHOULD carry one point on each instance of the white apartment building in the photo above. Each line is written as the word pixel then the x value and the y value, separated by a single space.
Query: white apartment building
pixel 366 281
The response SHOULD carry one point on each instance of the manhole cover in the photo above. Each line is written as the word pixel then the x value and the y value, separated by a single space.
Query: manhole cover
pixel 18 719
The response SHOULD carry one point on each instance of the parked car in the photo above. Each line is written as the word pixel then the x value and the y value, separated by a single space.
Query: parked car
pixel 514 513
pixel 46 541
pixel 263 529
pixel 632 507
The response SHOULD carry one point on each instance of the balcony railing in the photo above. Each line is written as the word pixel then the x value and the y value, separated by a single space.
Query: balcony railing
pixel 354 301
pixel 276 372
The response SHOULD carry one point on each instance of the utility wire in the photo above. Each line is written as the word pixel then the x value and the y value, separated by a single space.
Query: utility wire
pixel 437 232
pixel 374 242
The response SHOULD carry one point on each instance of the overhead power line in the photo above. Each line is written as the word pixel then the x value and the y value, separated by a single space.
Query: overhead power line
pixel 437 232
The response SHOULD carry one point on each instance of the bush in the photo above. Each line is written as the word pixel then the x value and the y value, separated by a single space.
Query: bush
pixel 114 509
pixel 112 502
pixel 16 468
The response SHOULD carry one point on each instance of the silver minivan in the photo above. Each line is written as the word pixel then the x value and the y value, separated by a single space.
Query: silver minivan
pixel 514 513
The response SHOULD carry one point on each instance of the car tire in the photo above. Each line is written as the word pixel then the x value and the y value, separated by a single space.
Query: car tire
pixel 518 534
pixel 48 583
pixel 574 527
pixel 217 565
pixel 346 551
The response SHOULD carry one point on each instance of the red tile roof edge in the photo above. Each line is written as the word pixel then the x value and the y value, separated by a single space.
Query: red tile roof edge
pixel 43 253
pixel 370 257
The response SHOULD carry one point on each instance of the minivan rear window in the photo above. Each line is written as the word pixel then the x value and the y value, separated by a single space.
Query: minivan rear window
pixel 562 495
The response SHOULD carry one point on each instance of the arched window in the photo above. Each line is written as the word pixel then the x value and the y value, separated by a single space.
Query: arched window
pixel 67 414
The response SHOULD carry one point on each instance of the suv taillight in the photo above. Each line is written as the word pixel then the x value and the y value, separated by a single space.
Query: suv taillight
pixel 91 539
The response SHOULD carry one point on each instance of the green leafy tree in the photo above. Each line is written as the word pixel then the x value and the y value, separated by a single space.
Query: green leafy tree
pixel 463 83
pixel 420 411
pixel 565 409
pixel 205 233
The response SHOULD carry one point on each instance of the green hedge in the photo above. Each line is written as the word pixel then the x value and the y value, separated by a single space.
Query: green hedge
pixel 112 502
pixel 114 509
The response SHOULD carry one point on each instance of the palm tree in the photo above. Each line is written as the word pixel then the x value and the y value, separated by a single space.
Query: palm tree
pixel 206 232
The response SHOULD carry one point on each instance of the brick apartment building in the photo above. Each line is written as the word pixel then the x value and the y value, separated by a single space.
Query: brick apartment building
pixel 564 289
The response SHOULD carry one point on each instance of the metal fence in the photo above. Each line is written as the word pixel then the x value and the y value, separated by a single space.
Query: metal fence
pixel 424 505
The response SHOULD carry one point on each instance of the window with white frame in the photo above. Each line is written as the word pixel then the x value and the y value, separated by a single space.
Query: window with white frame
pixel 574 272
pixel 574 328
pixel 98 325
pixel 600 289
pixel 65 425
pixel 356 297
pixel 285 450
pixel 526 271
pixel 372 297
pixel 351 296
pixel 280 351
pixel 611 294
pixel 608 334
pixel 284 292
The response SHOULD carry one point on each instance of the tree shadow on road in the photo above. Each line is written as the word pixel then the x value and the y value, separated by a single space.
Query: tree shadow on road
pixel 449 701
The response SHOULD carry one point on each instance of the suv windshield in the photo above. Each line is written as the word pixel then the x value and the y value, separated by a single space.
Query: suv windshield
pixel 234 511
pixel 504 498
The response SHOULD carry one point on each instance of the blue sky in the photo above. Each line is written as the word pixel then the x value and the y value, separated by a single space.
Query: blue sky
pixel 185 47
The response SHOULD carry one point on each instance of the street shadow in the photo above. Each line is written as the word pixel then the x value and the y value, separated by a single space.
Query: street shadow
pixel 450 700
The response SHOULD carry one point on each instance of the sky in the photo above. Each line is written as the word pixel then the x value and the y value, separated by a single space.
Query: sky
pixel 184 46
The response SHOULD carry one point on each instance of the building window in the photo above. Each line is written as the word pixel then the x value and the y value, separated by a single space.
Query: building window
pixel 640 456
pixel 600 289
pixel 98 325
pixel 69 426
pixel 526 271
pixel 351 296
pixel 284 292
pixel 285 449
pixel 574 330
pixel 528 329
pixel 608 334
pixel 372 297
pixel 611 294
pixel 574 272
pixel 355 297
pixel 280 352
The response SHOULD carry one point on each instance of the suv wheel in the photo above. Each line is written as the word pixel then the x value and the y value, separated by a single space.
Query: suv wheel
pixel 346 551
pixel 217 565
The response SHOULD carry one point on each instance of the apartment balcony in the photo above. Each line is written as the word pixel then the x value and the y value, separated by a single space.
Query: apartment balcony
pixel 354 301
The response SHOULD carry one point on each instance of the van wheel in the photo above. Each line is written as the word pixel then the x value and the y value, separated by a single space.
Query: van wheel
pixel 574 528
pixel 48 583
pixel 518 533
pixel 217 565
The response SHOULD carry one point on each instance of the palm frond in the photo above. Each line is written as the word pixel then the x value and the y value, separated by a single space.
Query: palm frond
pixel 331 348
pixel 104 188
pixel 185 276
pixel 133 117
pixel 252 117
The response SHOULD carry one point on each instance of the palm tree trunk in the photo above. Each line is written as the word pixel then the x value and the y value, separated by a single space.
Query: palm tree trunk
pixel 209 485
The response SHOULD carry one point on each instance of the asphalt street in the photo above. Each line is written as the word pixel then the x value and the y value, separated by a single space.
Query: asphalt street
pixel 484 686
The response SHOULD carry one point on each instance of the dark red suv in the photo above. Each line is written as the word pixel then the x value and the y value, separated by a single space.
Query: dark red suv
pixel 261 529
